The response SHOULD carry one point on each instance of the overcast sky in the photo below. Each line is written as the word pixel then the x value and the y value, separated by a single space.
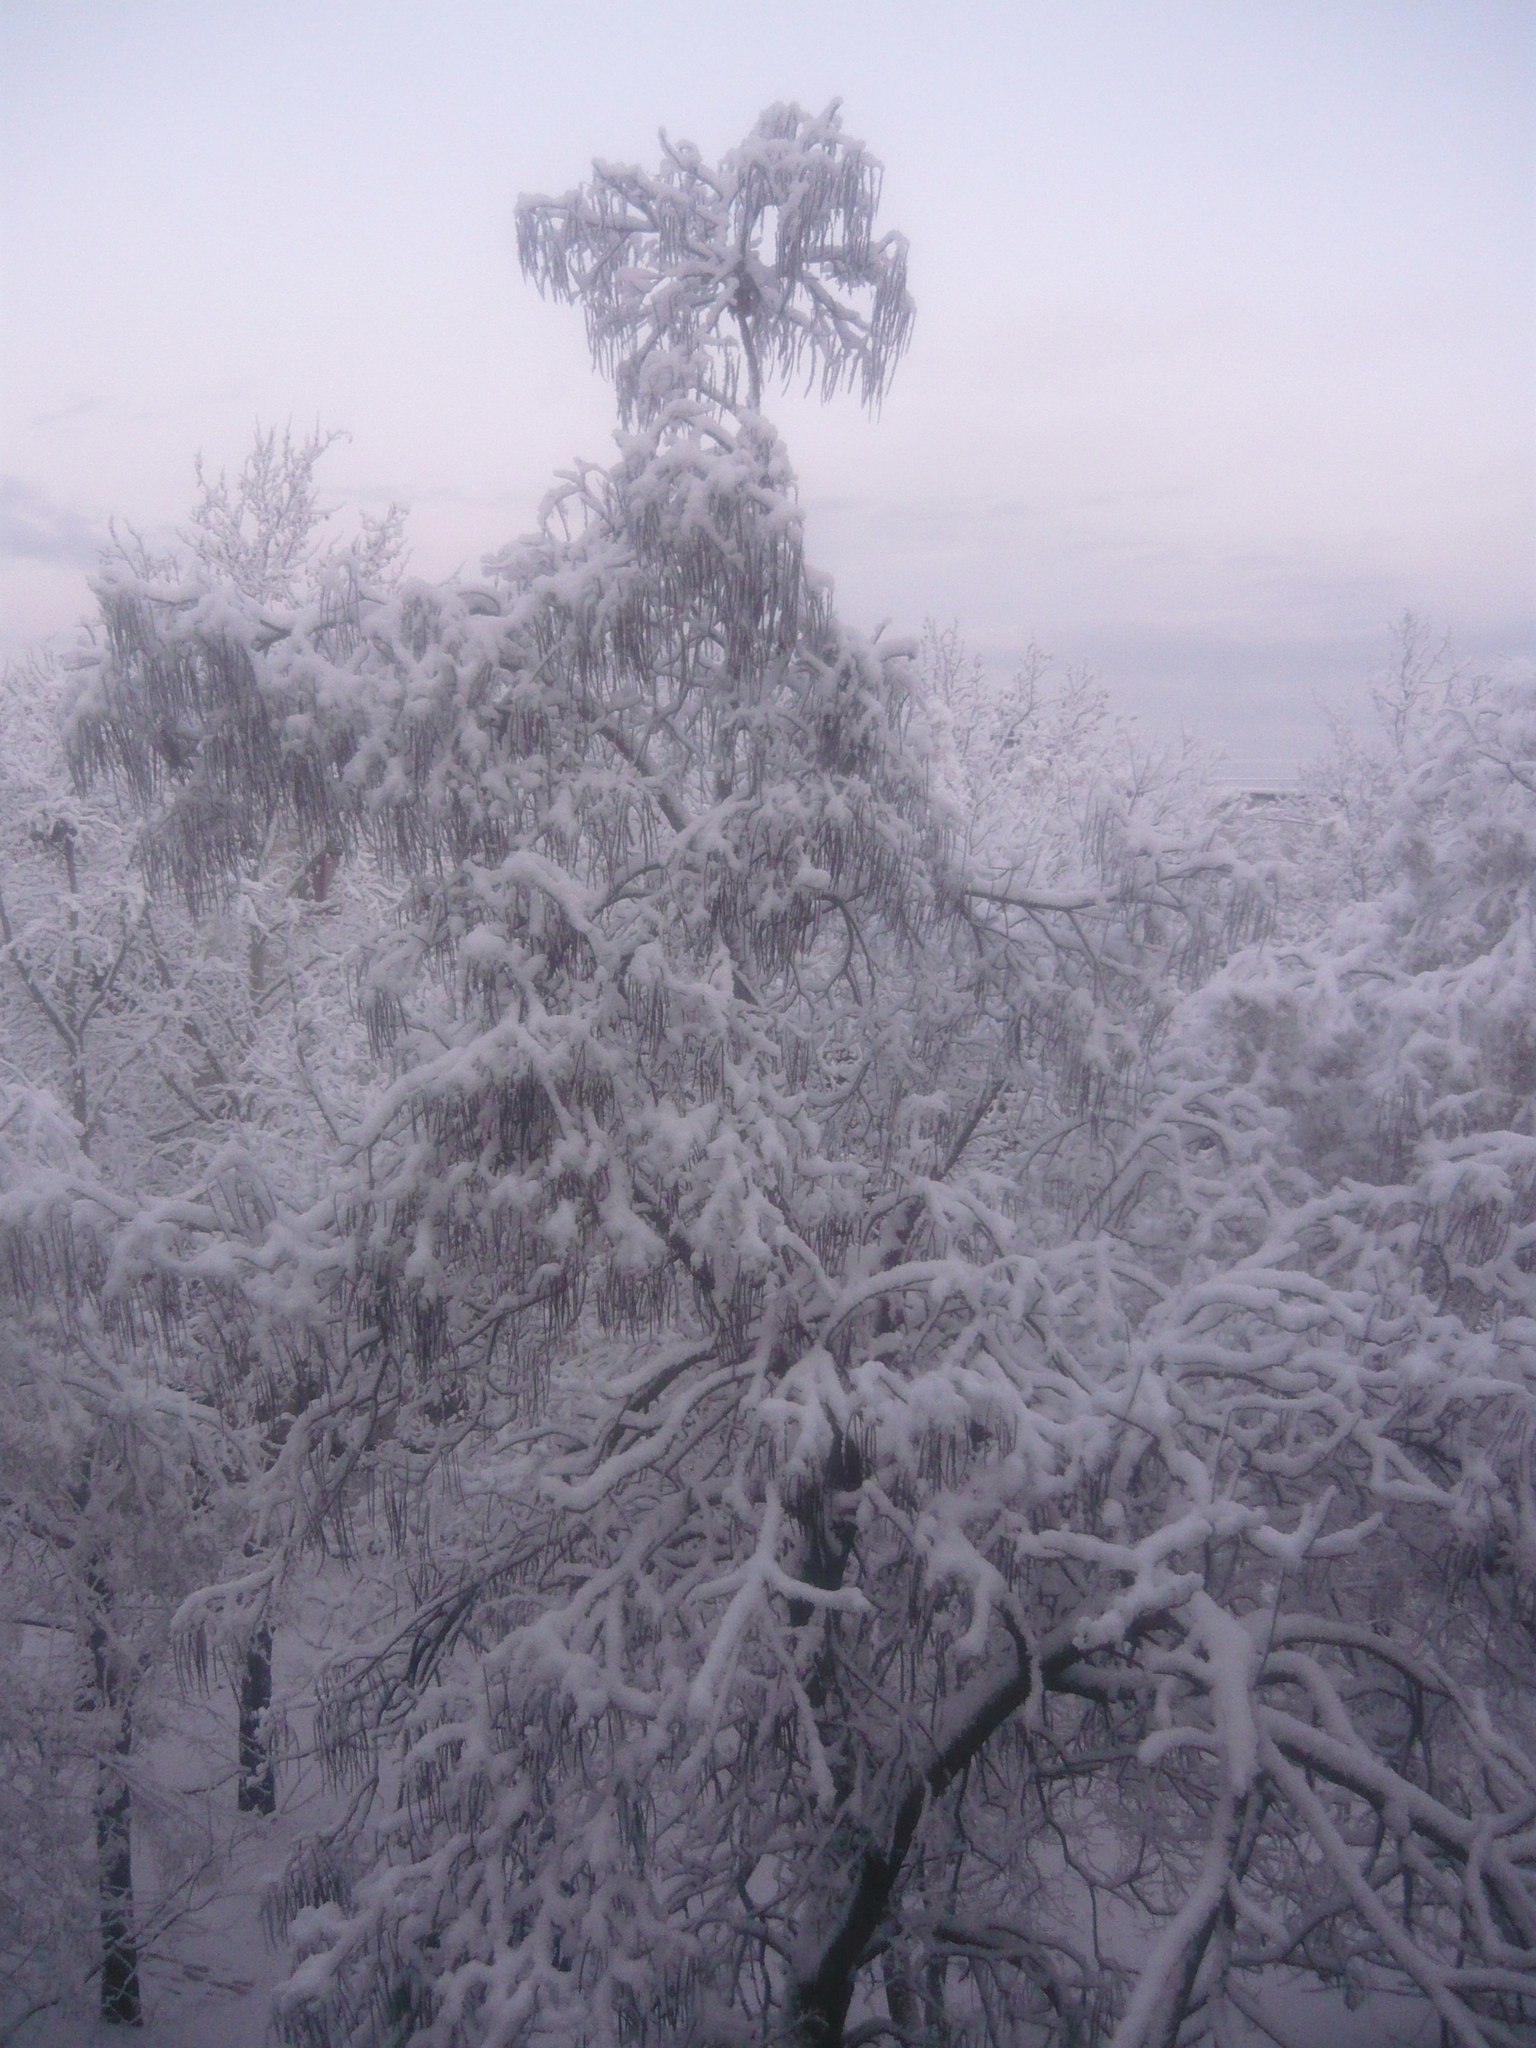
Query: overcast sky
pixel 1226 308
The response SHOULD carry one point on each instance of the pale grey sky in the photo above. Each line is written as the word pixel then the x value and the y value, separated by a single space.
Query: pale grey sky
pixel 1226 308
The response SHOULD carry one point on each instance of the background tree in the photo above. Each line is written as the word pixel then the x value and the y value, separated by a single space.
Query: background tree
pixel 108 1469
pixel 1391 1056
pixel 269 907
pixel 169 1083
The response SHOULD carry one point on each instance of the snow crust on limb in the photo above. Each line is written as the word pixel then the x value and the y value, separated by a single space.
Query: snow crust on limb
pixel 901 1414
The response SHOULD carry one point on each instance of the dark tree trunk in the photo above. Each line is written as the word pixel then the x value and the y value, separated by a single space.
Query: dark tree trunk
pixel 258 1773
pixel 121 2004
pixel 120 2001
pixel 819 2003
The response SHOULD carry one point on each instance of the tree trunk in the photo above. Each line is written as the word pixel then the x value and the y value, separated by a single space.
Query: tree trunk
pixel 121 2004
pixel 819 2002
pixel 120 2001
pixel 258 1773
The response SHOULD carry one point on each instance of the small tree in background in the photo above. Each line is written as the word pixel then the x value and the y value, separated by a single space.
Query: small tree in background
pixel 168 1084
pixel 113 1473
pixel 1341 833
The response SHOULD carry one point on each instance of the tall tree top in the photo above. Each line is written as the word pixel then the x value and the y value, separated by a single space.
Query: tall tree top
pixel 767 263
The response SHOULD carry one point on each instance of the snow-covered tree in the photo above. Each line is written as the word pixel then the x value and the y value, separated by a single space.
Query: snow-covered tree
pixel 709 1140
pixel 110 1468
pixel 1387 1065
pixel 1333 836
pixel 921 1484
pixel 168 1083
